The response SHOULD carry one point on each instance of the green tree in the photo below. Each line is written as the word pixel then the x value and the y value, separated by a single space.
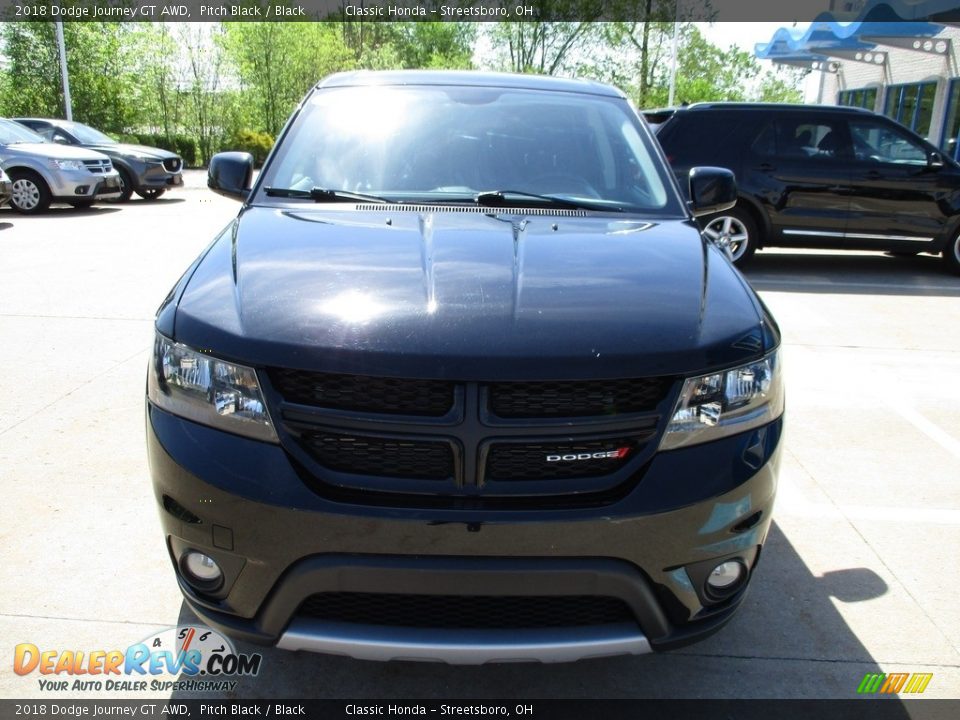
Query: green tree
pixel 636 48
pixel 278 62
pixel 542 47
pixel 102 84
pixel 781 85
pixel 432 44
pixel 637 58
pixel 630 55
pixel 567 38
pixel 33 73
pixel 157 62
pixel 383 45
pixel 204 83
pixel 706 72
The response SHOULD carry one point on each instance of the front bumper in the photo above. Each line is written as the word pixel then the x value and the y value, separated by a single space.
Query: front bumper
pixel 70 185
pixel 464 647
pixel 243 503
pixel 154 176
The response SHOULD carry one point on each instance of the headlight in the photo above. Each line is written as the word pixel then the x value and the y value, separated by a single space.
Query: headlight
pixel 68 164
pixel 726 403
pixel 199 387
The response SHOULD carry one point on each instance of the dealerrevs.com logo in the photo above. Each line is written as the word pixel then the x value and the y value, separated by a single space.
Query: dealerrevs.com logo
pixel 185 658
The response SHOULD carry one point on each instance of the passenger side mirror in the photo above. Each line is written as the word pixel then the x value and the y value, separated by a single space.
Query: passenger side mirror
pixel 712 190
pixel 230 174
pixel 934 160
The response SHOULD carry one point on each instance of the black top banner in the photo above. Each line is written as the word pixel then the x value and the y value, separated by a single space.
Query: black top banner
pixel 941 11
pixel 172 708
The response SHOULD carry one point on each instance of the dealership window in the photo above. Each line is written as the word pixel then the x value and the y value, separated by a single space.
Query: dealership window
pixel 862 98
pixel 911 105
pixel 951 128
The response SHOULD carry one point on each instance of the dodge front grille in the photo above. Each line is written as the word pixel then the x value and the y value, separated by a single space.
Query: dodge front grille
pixel 379 436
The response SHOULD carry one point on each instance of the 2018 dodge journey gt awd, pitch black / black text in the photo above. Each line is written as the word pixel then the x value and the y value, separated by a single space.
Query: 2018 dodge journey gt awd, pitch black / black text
pixel 463 382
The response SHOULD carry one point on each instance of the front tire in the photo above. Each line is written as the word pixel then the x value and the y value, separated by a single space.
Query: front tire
pixel 735 232
pixel 30 193
pixel 126 185
pixel 151 193
pixel 951 255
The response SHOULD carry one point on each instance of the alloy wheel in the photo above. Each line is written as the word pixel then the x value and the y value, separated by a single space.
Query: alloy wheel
pixel 729 234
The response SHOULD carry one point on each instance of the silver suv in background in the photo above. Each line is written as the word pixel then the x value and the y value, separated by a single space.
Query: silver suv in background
pixel 42 172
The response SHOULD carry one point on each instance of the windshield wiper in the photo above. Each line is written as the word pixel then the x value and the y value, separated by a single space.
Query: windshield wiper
pixel 319 194
pixel 511 198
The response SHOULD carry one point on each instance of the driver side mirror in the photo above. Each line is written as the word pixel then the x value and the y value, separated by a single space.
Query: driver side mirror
pixel 230 174
pixel 934 160
pixel 712 190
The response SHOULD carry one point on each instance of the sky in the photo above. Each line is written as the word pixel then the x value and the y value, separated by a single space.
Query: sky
pixel 743 34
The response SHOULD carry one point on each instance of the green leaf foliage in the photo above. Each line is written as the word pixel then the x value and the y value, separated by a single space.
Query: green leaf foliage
pixel 256 143
pixel 102 83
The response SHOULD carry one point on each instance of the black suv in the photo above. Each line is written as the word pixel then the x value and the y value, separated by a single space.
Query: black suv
pixel 818 177
pixel 464 382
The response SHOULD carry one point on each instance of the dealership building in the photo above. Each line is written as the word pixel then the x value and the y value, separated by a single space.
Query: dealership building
pixel 895 57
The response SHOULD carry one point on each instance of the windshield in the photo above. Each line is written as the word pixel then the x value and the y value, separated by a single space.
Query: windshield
pixel 86 134
pixel 12 133
pixel 448 144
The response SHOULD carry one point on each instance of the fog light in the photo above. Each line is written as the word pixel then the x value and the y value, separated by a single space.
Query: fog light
pixel 725 578
pixel 81 190
pixel 202 570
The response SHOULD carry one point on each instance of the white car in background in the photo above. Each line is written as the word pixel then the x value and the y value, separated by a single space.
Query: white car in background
pixel 42 172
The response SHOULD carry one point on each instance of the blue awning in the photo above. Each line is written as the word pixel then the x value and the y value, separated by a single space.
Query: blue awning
pixel 826 36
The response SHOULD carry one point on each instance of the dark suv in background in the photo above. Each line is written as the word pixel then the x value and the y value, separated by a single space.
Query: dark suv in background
pixel 818 177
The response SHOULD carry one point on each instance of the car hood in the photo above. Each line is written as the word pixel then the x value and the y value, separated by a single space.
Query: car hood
pixel 468 295
pixel 53 150
pixel 125 149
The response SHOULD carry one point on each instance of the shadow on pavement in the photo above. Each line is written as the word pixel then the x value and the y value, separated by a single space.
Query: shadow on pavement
pixel 68 211
pixel 851 273
pixel 787 641
pixel 156 201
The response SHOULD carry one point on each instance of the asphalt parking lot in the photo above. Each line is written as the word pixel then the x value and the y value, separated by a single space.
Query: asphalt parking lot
pixel 858 574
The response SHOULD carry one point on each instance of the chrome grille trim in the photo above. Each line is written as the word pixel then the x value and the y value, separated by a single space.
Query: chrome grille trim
pixel 99 167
